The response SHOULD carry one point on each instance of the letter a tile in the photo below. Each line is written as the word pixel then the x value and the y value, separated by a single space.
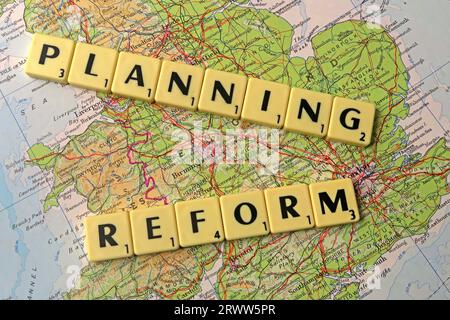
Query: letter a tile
pixel 49 58
pixel 289 208
pixel 351 121
pixel 108 236
pixel 334 202
pixel 199 221
pixel 154 229
pixel 244 215
pixel 136 76
pixel 179 85
pixel 93 67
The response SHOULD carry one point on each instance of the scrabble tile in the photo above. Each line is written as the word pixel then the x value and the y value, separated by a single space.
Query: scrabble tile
pixel 199 221
pixel 136 76
pixel 154 229
pixel 334 202
pixel 351 121
pixel 49 58
pixel 93 67
pixel 308 112
pixel 265 102
pixel 222 93
pixel 108 236
pixel 289 208
pixel 244 215
pixel 179 85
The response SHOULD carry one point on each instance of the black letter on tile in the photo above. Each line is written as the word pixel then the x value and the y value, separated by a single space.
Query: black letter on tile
pixel 195 221
pixel 227 97
pixel 45 54
pixel 139 78
pixel 305 105
pixel 265 103
pixel 89 65
pixel 355 121
pixel 332 205
pixel 285 208
pixel 103 237
pixel 183 88
pixel 151 227
pixel 238 216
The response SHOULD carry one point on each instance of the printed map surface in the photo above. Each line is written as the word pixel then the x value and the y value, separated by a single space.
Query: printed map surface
pixel 67 153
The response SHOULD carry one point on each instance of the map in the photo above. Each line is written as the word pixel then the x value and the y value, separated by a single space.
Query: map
pixel 67 153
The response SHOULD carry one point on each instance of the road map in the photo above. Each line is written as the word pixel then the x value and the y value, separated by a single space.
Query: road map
pixel 67 153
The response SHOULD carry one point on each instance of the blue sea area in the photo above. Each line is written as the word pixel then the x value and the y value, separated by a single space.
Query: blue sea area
pixel 28 265
pixel 423 276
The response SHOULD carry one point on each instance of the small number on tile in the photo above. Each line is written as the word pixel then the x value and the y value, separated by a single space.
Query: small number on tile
pixel 199 221
pixel 49 58
pixel 331 201
pixel 363 135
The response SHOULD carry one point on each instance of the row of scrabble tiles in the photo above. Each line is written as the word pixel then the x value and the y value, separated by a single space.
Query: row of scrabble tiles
pixel 236 216
pixel 191 87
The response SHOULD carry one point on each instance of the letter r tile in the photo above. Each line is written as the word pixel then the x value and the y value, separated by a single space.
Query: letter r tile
pixel 334 202
pixel 49 58
pixel 289 208
pixel 351 121
pixel 154 229
pixel 108 236
pixel 199 221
